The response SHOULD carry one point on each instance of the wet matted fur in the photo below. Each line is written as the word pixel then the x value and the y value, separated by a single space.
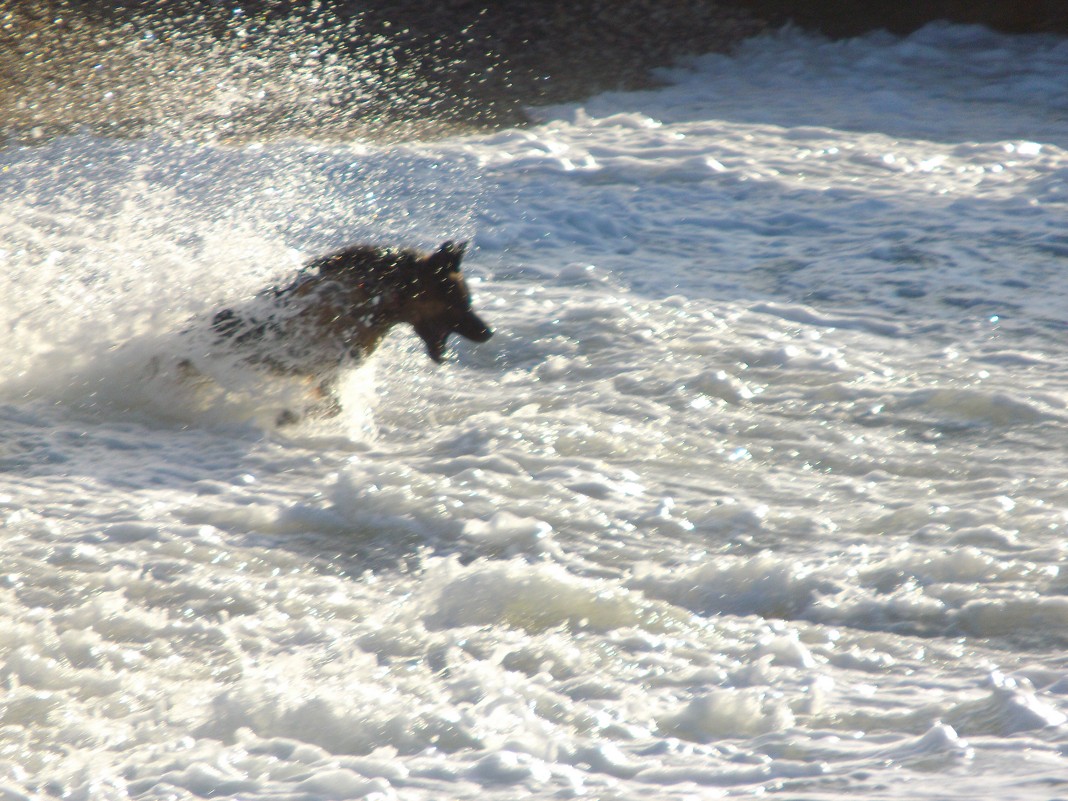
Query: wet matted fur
pixel 340 307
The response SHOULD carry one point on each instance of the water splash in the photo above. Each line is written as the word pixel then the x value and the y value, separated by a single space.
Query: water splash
pixel 220 73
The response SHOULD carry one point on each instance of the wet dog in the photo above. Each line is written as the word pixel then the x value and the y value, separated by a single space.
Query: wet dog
pixel 341 306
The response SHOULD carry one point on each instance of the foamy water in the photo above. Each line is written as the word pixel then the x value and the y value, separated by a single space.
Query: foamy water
pixel 759 487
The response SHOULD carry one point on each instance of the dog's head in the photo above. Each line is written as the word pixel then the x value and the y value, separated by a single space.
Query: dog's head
pixel 442 305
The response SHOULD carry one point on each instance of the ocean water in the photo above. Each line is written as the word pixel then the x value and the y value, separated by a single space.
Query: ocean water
pixel 759 488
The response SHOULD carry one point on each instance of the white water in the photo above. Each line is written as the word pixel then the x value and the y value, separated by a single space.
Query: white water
pixel 760 486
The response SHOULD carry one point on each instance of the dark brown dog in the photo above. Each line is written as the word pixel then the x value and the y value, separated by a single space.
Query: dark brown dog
pixel 341 306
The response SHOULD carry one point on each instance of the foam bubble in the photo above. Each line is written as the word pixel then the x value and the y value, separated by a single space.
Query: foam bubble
pixel 1009 707
pixel 729 713
pixel 537 597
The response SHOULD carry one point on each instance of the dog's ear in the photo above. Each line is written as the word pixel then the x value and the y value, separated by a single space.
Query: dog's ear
pixel 448 257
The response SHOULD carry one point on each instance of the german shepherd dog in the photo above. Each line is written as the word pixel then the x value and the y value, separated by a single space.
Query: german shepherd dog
pixel 340 307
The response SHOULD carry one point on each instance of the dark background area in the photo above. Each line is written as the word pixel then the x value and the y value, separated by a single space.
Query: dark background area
pixel 338 68
pixel 838 18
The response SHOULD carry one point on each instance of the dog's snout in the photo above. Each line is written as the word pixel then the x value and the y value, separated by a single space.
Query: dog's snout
pixel 473 327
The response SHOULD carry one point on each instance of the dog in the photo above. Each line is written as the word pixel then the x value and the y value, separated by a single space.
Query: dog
pixel 341 306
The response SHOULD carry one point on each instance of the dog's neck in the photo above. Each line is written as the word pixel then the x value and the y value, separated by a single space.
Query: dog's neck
pixel 384 302
pixel 379 306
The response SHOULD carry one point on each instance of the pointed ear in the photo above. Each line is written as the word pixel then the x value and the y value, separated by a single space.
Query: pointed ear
pixel 448 256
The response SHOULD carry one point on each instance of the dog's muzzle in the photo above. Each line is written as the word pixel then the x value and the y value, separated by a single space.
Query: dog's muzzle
pixel 472 327
pixel 435 333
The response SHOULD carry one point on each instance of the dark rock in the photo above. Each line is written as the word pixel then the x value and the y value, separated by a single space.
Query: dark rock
pixel 844 18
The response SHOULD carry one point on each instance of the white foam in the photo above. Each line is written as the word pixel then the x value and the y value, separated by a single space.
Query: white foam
pixel 536 598
pixel 759 478
pixel 729 714
pixel 1008 708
